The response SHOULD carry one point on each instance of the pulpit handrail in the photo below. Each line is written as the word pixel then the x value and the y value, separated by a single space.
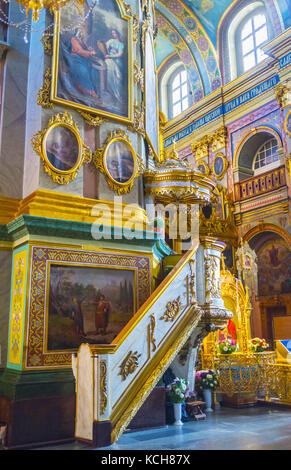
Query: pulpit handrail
pixel 142 311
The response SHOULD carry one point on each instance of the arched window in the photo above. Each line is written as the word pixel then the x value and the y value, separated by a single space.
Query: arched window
pixel 266 155
pixel 242 31
pixel 250 35
pixel 179 95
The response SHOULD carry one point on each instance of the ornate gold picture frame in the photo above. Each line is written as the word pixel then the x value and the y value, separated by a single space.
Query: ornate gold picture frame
pixel 287 124
pixel 61 148
pixel 119 162
pixel 203 168
pixel 219 166
pixel 93 65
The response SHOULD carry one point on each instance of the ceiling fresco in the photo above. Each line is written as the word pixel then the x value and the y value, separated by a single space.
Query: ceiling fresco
pixel 175 21
pixel 189 27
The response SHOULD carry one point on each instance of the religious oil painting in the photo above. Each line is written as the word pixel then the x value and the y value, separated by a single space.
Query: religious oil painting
pixel 274 268
pixel 61 148
pixel 120 162
pixel 92 62
pixel 88 304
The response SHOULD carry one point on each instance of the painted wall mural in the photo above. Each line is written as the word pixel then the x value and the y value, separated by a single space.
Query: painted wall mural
pixel 91 64
pixel 185 55
pixel 274 268
pixel 180 18
pixel 88 304
pixel 80 296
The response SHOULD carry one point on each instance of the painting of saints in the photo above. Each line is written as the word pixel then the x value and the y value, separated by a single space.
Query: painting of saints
pixel 62 148
pixel 103 309
pixel 273 253
pixel 120 162
pixel 93 61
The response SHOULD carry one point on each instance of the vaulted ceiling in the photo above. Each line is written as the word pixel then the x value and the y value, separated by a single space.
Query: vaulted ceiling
pixel 189 28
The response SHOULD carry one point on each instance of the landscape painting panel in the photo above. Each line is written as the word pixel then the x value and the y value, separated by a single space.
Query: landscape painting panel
pixel 88 304
pixel 93 59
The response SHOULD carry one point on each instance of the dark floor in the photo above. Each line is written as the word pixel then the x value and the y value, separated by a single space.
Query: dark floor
pixel 258 428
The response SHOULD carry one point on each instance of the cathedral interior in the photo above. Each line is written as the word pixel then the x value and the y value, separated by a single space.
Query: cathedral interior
pixel 156 244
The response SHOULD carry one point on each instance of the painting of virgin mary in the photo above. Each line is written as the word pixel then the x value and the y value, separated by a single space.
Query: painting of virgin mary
pixel 92 62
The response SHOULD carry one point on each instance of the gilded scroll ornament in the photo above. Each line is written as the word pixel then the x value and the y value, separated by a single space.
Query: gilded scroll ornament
pixel 151 333
pixel 103 386
pixel 43 96
pixel 173 309
pixel 135 28
pixel 212 278
pixel 47 44
pixel 138 75
pixel 61 148
pixel 138 120
pixel 94 121
pixel 119 162
pixel 129 364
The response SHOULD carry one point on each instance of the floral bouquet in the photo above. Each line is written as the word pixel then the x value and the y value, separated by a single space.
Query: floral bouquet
pixel 178 390
pixel 226 346
pixel 206 379
pixel 258 345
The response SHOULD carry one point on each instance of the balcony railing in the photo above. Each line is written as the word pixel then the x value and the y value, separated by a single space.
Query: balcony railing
pixel 261 184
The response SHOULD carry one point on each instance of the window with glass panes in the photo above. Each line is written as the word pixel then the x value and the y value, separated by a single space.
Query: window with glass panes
pixel 180 100
pixel 252 35
pixel 267 154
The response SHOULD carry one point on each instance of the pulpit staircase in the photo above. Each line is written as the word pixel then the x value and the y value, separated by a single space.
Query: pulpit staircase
pixel 113 381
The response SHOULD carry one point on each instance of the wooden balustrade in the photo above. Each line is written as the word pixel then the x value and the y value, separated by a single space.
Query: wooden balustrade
pixel 260 184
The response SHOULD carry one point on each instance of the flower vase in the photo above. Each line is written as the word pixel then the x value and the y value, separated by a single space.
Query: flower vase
pixel 178 414
pixel 208 399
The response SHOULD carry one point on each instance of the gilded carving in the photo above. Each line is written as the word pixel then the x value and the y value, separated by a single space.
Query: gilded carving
pixel 212 278
pixel 103 386
pixel 138 75
pixel 47 44
pixel 43 96
pixel 94 121
pixel 172 310
pixel 61 160
pixel 135 27
pixel 129 364
pixel 138 120
pixel 120 170
pixel 283 94
pixel 152 327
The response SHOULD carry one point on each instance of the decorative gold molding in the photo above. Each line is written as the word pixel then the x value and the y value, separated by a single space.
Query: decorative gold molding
pixel 138 119
pixel 173 309
pixel 283 93
pixel 217 140
pixel 135 28
pixel 94 121
pixel 38 142
pixel 100 156
pixel 43 96
pixel 141 389
pixel 220 176
pixel 47 44
pixel 151 333
pixel 103 386
pixel 212 278
pixel 138 75
pixel 129 364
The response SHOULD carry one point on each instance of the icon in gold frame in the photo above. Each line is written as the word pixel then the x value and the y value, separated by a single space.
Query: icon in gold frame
pixel 287 124
pixel 119 162
pixel 219 166
pixel 203 168
pixel 98 77
pixel 61 148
